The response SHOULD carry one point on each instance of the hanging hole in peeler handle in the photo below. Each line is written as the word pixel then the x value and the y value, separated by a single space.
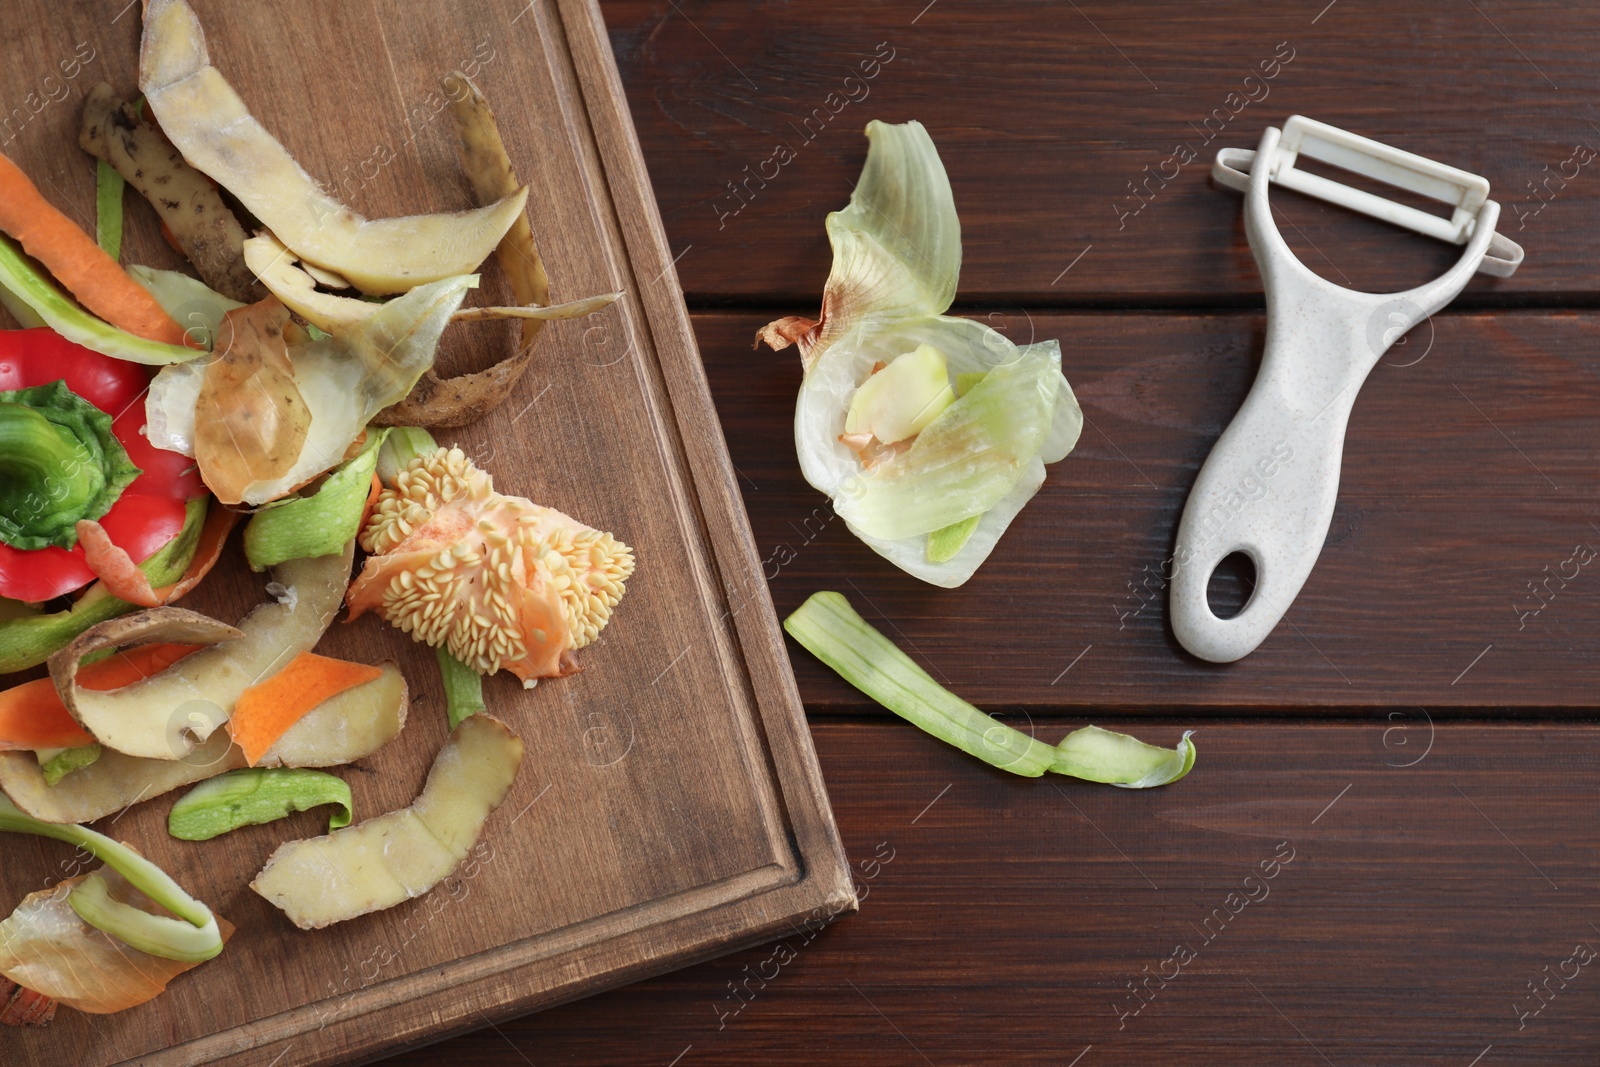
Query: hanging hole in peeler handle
pixel 1232 585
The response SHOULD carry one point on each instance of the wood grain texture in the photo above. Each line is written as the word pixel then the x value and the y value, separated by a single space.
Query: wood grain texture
pixel 1002 919
pixel 1047 116
pixel 1468 474
pixel 669 805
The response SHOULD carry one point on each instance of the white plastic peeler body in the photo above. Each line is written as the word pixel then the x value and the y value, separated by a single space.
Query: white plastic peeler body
pixel 1269 486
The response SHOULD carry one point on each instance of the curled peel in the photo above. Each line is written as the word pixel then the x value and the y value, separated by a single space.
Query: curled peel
pixel 49 948
pixel 385 861
pixel 123 578
pixel 295 285
pixel 163 717
pixel 342 729
pixel 213 128
pixel 457 401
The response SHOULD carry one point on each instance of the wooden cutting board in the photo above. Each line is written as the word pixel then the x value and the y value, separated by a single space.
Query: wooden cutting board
pixel 669 807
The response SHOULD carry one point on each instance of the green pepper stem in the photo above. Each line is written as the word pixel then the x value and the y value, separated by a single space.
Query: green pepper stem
pixel 44 467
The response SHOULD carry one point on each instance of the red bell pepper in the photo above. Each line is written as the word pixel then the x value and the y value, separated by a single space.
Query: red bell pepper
pixel 150 511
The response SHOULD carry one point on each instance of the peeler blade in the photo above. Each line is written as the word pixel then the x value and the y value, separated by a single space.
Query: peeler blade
pixel 1465 193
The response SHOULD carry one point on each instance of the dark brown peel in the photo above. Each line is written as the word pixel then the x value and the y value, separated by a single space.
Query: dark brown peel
pixel 445 403
pixel 488 169
pixel 187 201
pixel 451 402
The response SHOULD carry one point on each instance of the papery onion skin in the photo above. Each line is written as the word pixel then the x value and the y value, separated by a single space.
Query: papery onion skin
pixel 47 948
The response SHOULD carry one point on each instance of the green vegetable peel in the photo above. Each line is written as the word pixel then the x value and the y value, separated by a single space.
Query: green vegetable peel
pixel 830 629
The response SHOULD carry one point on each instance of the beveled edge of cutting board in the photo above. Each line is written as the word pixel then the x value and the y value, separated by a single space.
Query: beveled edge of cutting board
pixel 713 919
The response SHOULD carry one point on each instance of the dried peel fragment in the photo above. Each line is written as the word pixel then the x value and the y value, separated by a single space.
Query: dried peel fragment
pixel 499 581
pixel 250 418
pixel 465 398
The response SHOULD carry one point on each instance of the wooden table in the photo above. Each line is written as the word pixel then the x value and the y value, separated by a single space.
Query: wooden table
pixel 1411 755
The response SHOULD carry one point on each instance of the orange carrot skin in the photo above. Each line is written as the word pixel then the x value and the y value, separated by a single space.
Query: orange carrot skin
pixel 265 711
pixel 33 717
pixel 78 263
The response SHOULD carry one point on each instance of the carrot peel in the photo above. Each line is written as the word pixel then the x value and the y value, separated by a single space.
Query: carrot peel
pixel 265 711
pixel 33 717
pixel 97 280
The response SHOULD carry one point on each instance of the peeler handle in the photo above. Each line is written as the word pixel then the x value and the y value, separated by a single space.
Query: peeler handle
pixel 1268 491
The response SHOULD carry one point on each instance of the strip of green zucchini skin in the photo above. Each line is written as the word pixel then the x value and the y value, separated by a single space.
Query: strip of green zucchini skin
pixel 832 631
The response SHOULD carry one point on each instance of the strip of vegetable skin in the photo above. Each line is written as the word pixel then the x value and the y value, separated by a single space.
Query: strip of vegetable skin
pixel 149 933
pixel 831 630
pixel 253 796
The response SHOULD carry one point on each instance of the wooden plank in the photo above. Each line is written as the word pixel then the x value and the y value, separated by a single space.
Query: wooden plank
pixel 669 805
pixel 1002 919
pixel 1468 475
pixel 1066 127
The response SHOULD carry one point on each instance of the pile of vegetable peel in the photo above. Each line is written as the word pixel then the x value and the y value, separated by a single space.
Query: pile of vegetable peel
pixel 120 487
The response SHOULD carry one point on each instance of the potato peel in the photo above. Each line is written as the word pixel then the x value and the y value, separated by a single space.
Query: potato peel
pixel 164 716
pixel 295 284
pixel 349 726
pixel 187 201
pixel 214 129
pixel 450 402
pixel 392 858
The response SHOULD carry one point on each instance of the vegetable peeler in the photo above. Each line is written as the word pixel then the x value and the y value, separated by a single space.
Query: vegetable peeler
pixel 1269 486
